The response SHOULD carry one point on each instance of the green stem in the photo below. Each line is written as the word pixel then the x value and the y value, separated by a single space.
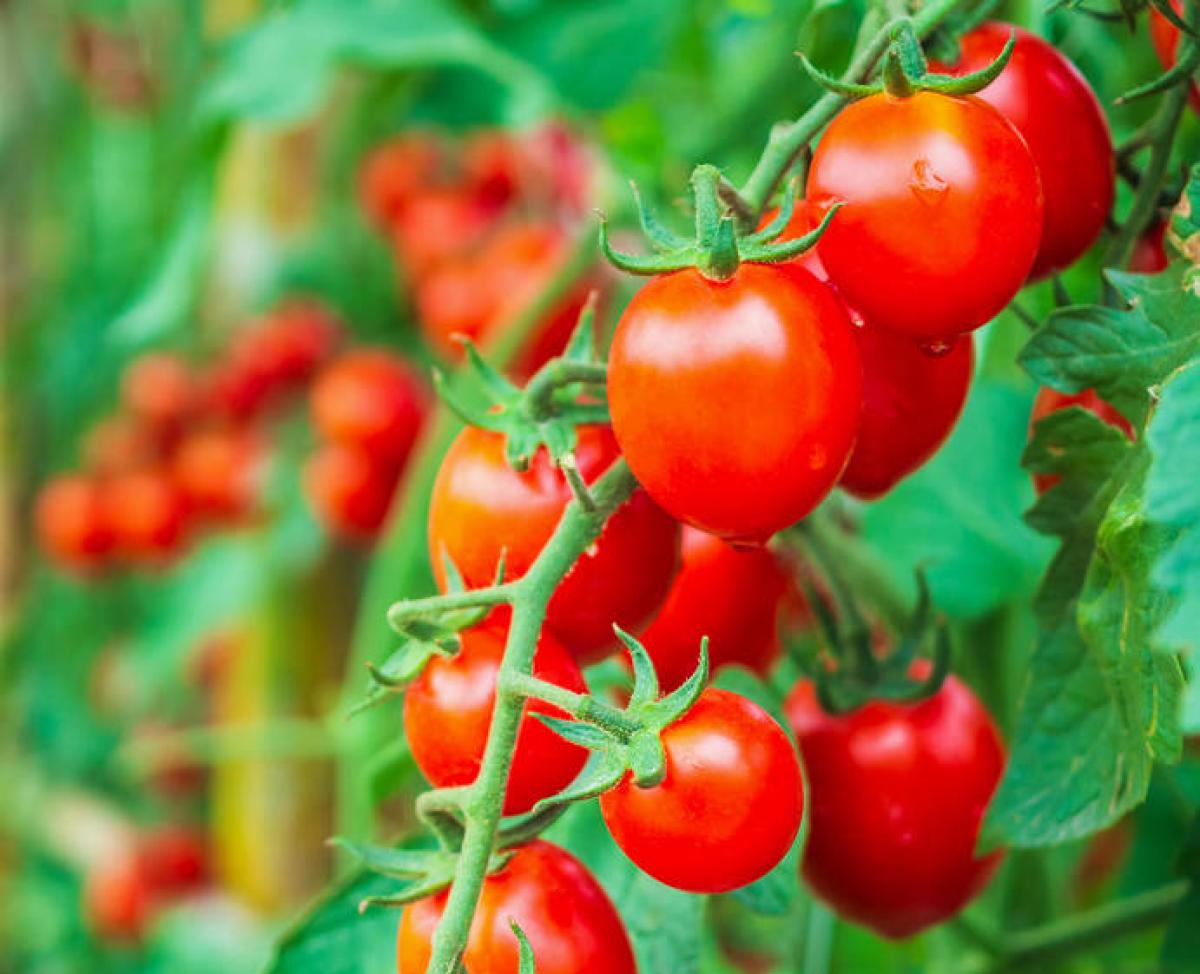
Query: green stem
pixel 553 376
pixel 581 706
pixel 575 531
pixel 475 598
pixel 788 141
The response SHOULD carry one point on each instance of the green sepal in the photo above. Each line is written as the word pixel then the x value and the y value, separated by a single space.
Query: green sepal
pixel 526 964
pixel 436 873
pixel 845 89
pixel 647 760
pixel 661 238
pixel 645 679
pixel 779 222
pixel 577 732
pixel 604 771
pixel 1179 74
pixel 975 81
pixel 400 669
pixel 647 265
pixel 670 708
pixel 387 861
pixel 1167 9
pixel 776 253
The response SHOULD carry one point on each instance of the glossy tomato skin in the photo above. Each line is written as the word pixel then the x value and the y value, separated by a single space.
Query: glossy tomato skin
pixel 350 493
pixel 897 793
pixel 732 596
pixel 72 525
pixel 448 712
pixel 1051 401
pixel 482 508
pixel 729 807
pixel 1165 37
pixel 912 399
pixel 736 404
pixel 370 399
pixel 942 216
pixel 1051 104
pixel 147 515
pixel 571 924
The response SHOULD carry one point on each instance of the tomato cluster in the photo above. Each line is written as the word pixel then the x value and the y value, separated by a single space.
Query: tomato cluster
pixel 187 448
pixel 479 228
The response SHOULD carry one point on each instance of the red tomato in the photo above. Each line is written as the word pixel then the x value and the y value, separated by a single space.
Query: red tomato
pixel 147 514
pixel 218 472
pixel 1149 252
pixel 912 398
pixel 72 525
pixel 370 399
pixel 117 898
pixel 729 807
pixel 942 214
pixel 161 390
pixel 571 924
pixel 1165 37
pixel 736 403
pixel 282 350
pixel 437 225
pixel 897 794
pixel 494 165
pixel 482 508
pixel 1055 110
pixel 173 773
pixel 119 444
pixel 1051 401
pixel 448 712
pixel 174 860
pixel 730 595
pixel 350 493
pixel 395 172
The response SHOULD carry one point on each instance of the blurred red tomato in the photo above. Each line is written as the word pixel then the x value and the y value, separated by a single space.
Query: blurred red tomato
pixel 160 389
pixel 174 860
pixel 218 472
pixel 72 525
pixel 147 515
pixel 350 492
pixel 117 898
pixel 118 444
pixel 394 172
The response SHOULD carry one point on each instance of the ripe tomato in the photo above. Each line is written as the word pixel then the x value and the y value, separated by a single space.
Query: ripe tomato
pixel 118 444
pixel 350 493
pixel 161 390
pixel 448 711
pixel 395 172
pixel 912 398
pixel 571 924
pixel 1149 252
pixel 218 471
pixel 117 898
pixel 736 403
pixel 482 509
pixel 1051 401
pixel 730 595
pixel 1051 104
pixel 727 810
pixel 494 166
pixel 1165 37
pixel 438 224
pixel 147 514
pixel 72 525
pixel 897 793
pixel 370 399
pixel 942 214
pixel 174 860
pixel 281 351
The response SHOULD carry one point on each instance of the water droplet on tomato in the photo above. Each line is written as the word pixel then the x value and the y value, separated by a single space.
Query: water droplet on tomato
pixel 926 184
pixel 938 347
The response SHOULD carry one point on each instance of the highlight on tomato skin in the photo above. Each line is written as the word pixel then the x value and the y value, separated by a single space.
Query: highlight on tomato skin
pixel 1051 400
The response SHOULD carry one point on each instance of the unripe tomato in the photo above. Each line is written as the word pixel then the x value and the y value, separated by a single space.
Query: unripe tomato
pixel 174 860
pixel 571 924
pixel 71 521
pixel 732 596
pixel 912 398
pixel 448 712
pixel 370 399
pixel 161 390
pixel 395 172
pixel 942 214
pixel 736 403
pixel 147 514
pixel 1164 35
pixel 1149 252
pixel 1051 104
pixel 729 807
pixel 1051 401
pixel 897 793
pixel 483 509
pixel 350 493
pixel 117 898
pixel 218 471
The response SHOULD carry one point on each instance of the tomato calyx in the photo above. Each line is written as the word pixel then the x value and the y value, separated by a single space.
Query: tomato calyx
pixel 718 247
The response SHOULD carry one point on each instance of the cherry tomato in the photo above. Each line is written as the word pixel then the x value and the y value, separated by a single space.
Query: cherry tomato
pixel 730 595
pixel 350 493
pixel 1165 37
pixel 395 172
pixel 1051 401
pixel 1051 104
pixel 437 225
pixel 161 390
pixel 482 509
pixel 736 404
pixel 448 711
pixel 897 794
pixel 729 807
pixel 571 924
pixel 147 514
pixel 72 525
pixel 370 399
pixel 218 472
pixel 119 444
pixel 281 351
pixel 494 165
pixel 174 860
pixel 942 214
pixel 117 898
pixel 1149 252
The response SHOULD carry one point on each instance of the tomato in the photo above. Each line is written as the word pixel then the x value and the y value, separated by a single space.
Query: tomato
pixel 438 224
pixel 395 172
pixel 482 509
pixel 161 390
pixel 117 898
pixel 147 514
pixel 1051 401
pixel 1149 252
pixel 173 773
pixel 736 403
pixel 897 794
pixel 1164 36
pixel 370 399
pixel 494 165
pixel 729 807
pixel 571 924
pixel 218 472
pixel 1051 104
pixel 942 214
pixel 281 351
pixel 118 444
pixel 174 860
pixel 72 525
pixel 350 493
pixel 730 595
pixel 448 712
